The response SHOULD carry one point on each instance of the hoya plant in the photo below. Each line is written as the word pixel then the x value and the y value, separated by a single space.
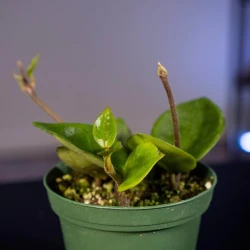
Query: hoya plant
pixel 108 155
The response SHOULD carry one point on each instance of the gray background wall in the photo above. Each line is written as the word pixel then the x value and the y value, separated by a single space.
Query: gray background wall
pixel 96 53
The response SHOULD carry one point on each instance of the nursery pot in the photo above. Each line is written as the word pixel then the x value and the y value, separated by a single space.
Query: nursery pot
pixel 162 227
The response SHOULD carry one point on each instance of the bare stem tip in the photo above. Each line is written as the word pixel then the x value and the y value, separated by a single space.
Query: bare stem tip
pixel 161 70
pixel 19 64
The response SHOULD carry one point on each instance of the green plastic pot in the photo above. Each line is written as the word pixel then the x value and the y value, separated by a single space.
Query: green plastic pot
pixel 162 227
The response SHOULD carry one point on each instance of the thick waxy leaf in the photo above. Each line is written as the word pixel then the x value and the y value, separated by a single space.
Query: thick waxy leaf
pixel 175 159
pixel 79 138
pixel 79 163
pixel 75 136
pixel 201 126
pixel 105 129
pixel 31 68
pixel 123 132
pixel 119 159
pixel 139 164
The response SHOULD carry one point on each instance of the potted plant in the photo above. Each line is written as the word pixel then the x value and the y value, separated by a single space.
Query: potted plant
pixel 116 190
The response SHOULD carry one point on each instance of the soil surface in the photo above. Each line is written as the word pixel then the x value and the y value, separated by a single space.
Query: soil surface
pixel 154 190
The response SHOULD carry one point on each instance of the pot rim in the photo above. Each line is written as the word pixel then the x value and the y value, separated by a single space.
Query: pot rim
pixel 131 208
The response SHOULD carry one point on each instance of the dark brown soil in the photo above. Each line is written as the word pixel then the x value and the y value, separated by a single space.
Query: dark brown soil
pixel 150 192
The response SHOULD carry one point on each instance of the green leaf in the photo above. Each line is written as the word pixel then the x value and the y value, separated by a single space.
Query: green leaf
pixel 75 136
pixel 119 159
pixel 31 68
pixel 79 138
pixel 105 129
pixel 175 159
pixel 123 131
pixel 139 164
pixel 79 163
pixel 201 126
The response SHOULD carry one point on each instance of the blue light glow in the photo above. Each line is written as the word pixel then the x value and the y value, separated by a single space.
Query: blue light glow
pixel 245 142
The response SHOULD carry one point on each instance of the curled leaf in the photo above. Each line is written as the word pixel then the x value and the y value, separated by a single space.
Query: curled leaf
pixel 139 164
pixel 175 159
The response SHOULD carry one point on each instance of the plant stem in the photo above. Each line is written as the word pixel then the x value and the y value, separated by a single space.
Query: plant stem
pixel 43 106
pixel 29 89
pixel 175 184
pixel 109 169
pixel 98 182
pixel 163 75
pixel 123 200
